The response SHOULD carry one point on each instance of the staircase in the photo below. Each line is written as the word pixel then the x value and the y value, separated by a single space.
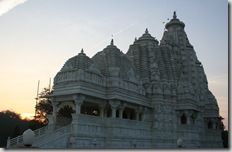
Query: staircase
pixel 42 136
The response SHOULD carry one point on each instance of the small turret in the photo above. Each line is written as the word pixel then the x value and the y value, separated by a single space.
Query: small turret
pixel 175 22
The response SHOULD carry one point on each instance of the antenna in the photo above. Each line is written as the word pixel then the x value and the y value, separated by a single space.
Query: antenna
pixel 37 97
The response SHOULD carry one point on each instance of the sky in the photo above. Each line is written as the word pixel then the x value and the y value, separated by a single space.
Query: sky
pixel 38 36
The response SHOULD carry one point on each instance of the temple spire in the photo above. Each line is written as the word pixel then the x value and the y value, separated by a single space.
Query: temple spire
pixel 82 51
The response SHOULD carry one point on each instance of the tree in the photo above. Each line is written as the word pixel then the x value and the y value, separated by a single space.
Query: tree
pixel 16 131
pixel 224 133
pixel 225 138
pixel 12 125
pixel 44 106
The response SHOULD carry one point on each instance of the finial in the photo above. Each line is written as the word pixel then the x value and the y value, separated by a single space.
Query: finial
pixel 112 42
pixel 135 39
pixel 146 31
pixel 82 51
pixel 174 14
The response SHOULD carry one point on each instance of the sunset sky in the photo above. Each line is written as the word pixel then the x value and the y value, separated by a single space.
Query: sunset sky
pixel 38 36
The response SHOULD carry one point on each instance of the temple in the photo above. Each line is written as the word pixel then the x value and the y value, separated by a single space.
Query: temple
pixel 151 97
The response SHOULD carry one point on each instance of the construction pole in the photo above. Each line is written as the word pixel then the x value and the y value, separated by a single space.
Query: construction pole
pixel 37 97
pixel 50 85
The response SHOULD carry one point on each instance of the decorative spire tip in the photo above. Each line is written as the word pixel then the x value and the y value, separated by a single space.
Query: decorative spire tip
pixel 112 42
pixel 174 14
pixel 135 39
pixel 146 31
pixel 82 51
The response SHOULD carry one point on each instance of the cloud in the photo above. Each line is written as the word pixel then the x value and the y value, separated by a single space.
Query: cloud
pixel 7 5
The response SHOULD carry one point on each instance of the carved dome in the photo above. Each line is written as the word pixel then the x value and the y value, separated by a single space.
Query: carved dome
pixel 112 62
pixel 75 69
pixel 81 61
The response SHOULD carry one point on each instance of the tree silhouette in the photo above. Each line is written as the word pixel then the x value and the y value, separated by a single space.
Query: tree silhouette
pixel 44 106
pixel 16 131
pixel 224 133
pixel 12 125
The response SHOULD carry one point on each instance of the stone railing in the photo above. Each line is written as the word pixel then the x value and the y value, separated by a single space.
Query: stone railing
pixel 42 135
pixel 19 139
pixel 52 135
pixel 133 87
pixel 115 126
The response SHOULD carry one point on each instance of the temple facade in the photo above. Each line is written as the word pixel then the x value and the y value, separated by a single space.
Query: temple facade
pixel 150 97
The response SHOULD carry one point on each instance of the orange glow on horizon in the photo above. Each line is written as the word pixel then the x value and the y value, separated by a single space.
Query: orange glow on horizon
pixel 29 116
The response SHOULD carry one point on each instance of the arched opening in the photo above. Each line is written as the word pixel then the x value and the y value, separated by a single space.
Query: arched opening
pixel 140 117
pixel 210 125
pixel 183 119
pixel 90 109
pixel 124 116
pixel 66 111
pixel 64 116
pixel 108 112
pixel 117 113
pixel 128 113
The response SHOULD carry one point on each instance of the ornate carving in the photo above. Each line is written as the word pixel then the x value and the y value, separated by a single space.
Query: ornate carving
pixel 67 103
pixel 78 99
pixel 114 71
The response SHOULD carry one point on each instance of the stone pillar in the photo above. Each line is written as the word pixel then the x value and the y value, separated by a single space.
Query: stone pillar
pixel 188 115
pixel 102 109
pixel 136 114
pixel 54 106
pixel 113 110
pixel 78 99
pixel 144 115
pixel 52 117
pixel 121 108
pixel 114 105
pixel 120 113
pixel 74 118
pixel 140 113
pixel 8 142
pixel 75 127
pixel 179 114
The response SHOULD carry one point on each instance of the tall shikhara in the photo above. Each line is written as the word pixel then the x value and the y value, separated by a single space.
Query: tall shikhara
pixel 151 97
pixel 176 85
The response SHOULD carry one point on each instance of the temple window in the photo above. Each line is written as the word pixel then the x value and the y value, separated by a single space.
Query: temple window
pixel 183 119
pixel 128 113
pixel 210 125
pixel 108 112
pixel 140 117
pixel 124 115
